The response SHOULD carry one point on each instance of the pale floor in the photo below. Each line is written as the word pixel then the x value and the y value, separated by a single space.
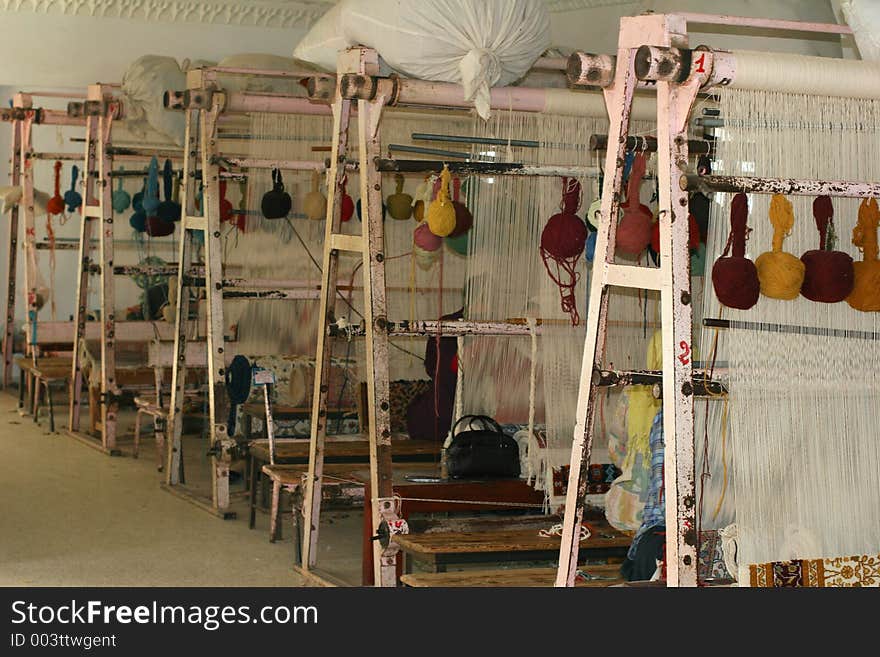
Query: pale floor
pixel 72 516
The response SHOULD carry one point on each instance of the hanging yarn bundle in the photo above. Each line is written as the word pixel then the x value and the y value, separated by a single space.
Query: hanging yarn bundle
pixel 276 202
pixel 168 210
pixel 238 387
pixel 241 212
pixel 155 226
pixel 399 203
pixel 441 212
pixel 422 191
pixel 121 198
pixel 226 209
pixel 458 244
pixel 315 203
pixel 463 217
pixel 828 274
pixel 56 203
pixel 634 229
pixel 866 289
pixel 594 214
pixel 346 208
pixel 780 273
pixel 562 242
pixel 693 235
pixel 138 220
pixel 72 198
pixel 735 277
pixel 384 210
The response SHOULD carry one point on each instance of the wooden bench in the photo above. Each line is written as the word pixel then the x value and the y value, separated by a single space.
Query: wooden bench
pixel 438 550
pixel 597 576
pixel 35 377
pixel 295 451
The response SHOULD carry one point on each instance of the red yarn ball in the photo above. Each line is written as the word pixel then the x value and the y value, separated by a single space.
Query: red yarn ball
pixel 564 236
pixel 693 234
pixel 347 209
pixel 463 219
pixel 55 205
pixel 829 276
pixel 158 228
pixel 736 284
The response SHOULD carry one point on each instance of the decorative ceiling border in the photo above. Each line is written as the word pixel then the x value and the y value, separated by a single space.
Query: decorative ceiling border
pixel 256 13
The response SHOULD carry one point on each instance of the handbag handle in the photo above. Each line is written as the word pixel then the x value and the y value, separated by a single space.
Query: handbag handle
pixel 485 419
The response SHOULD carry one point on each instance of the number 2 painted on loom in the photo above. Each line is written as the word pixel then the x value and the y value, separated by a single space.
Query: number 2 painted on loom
pixel 699 62
pixel 684 356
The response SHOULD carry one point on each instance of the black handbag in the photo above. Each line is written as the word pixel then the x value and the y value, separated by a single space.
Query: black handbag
pixel 483 452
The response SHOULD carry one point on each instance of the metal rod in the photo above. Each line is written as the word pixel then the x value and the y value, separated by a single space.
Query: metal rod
pixel 264 73
pixel 402 148
pixel 144 151
pixel 257 163
pixel 446 328
pixel 482 168
pixel 790 328
pixel 649 144
pixel 765 23
pixel 610 378
pixel 463 139
pixel 787 186
pixel 55 156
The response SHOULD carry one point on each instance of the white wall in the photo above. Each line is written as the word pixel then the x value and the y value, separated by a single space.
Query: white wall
pixel 72 51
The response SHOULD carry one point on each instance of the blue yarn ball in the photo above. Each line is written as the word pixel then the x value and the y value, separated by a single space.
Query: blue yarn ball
pixel 590 247
pixel 138 221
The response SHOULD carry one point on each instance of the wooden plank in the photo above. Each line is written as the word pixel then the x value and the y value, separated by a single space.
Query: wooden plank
pixel 516 540
pixel 514 577
pixel 297 450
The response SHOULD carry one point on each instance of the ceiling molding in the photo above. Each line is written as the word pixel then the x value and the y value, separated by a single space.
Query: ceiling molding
pixel 257 13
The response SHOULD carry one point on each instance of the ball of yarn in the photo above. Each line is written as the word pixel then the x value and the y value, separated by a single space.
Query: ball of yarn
pixel 464 220
pixel 564 236
pixel 780 273
pixel 425 239
pixel 400 203
pixel 590 246
pixel 441 217
pixel 693 234
pixel 315 203
pixel 866 287
pixel 358 206
pixel 735 277
pixel 828 274
pixel 458 244
pixel 736 284
pixel 634 230
pixel 155 227
pixel 424 259
pixel 55 205
pixel 138 221
pixel 418 211
pixel 594 215
pixel 346 207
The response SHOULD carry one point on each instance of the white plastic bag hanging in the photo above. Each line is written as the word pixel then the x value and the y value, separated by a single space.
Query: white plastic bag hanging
pixel 475 43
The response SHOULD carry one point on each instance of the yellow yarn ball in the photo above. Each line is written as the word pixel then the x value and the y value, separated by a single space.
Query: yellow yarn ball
pixel 441 217
pixel 780 274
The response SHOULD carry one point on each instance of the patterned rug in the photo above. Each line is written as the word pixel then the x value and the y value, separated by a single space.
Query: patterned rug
pixel 857 571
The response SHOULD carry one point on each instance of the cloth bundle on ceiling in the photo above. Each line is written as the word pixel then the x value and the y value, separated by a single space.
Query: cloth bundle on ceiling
pixel 474 43
pixel 863 16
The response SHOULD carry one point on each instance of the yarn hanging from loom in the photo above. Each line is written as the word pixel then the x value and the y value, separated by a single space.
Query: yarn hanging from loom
pixel 399 203
pixel 828 274
pixel 458 244
pixel 73 198
pixel 276 203
pixel 441 212
pixel 150 200
pixel 464 220
pixel 780 274
pixel 168 210
pixel 424 239
pixel 634 229
pixel 315 203
pixel 562 242
pixel 346 209
pixel 238 387
pixel 121 198
pixel 866 288
pixel 735 277
pixel 56 203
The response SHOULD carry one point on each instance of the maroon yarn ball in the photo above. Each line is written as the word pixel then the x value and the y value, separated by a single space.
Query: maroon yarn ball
pixel 156 227
pixel 564 236
pixel 463 219
pixel 735 278
pixel 829 276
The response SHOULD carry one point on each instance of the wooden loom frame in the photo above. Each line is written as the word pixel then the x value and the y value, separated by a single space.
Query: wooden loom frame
pixel 654 48
pixel 22 117
pixel 101 109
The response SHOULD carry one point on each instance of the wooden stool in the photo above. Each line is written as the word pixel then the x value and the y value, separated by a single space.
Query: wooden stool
pixel 148 406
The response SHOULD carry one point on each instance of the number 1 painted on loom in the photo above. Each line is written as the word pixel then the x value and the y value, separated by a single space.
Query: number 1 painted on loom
pixel 700 62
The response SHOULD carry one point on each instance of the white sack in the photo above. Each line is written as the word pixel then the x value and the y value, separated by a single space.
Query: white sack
pixel 863 16
pixel 475 43
pixel 143 86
